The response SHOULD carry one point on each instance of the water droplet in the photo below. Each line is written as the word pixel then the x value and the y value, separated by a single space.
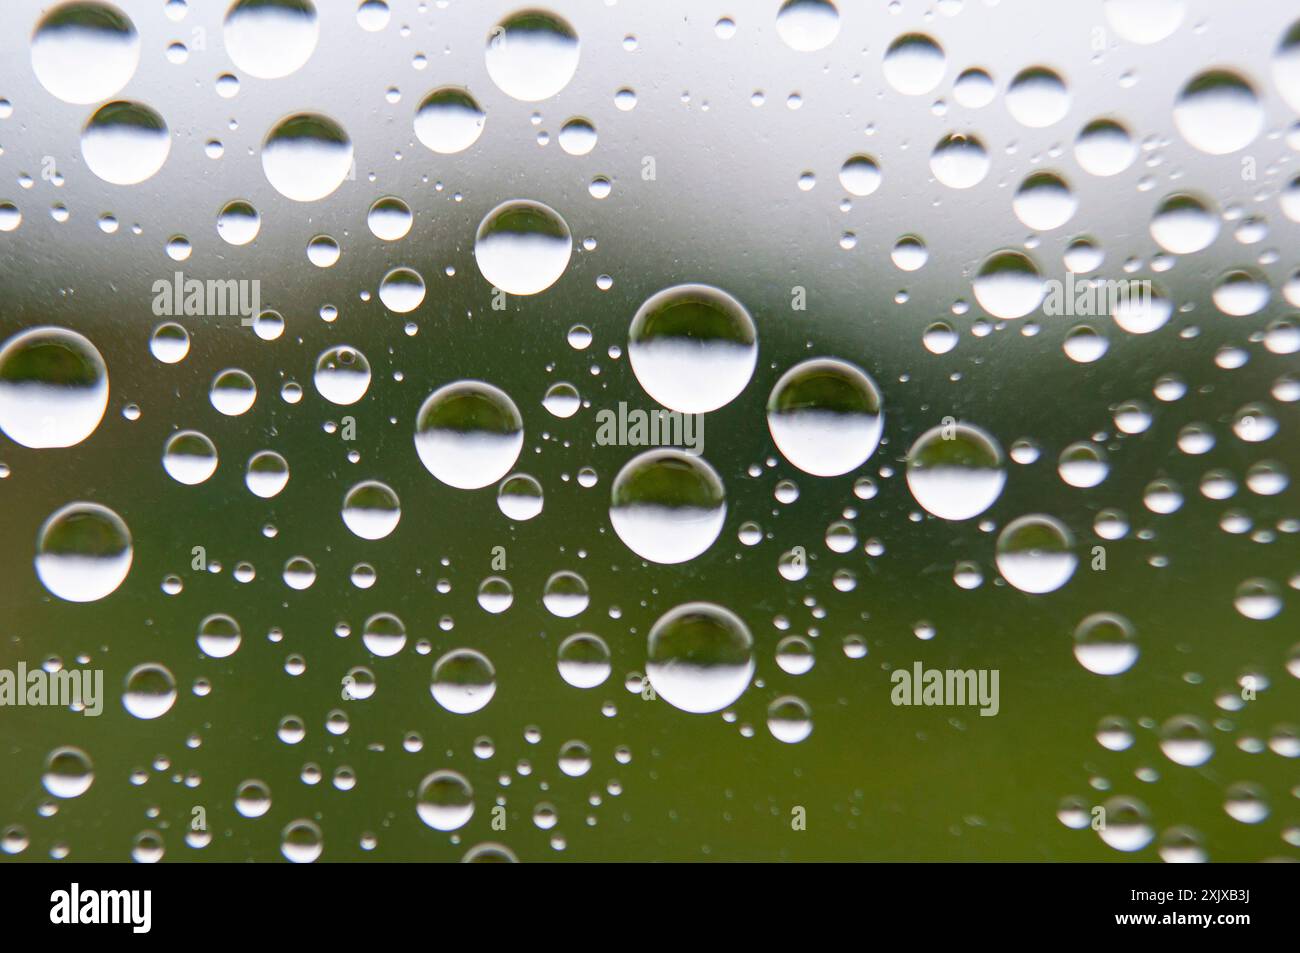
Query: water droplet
pixel 371 510
pixel 1286 66
pixel 252 798
pixel 583 660
pixel 789 719
pixel 53 388
pixel 1144 21
pixel 522 247
pixel 1143 313
pixel 1218 112
pixel 342 375
pixel 189 457
pixel 1258 599
pixel 383 634
pixel 1183 225
pixel 125 142
pixel 532 55
pixel 578 136
pixel 150 691
pixel 373 15
pixel 449 120
pixel 85 52
pixel 956 472
pixel 1185 740
pixel 700 657
pixel 68 772
pixel 1036 554
pixel 389 219
pixel 219 636
pixel 468 434
pixel 464 681
pixel 238 222
pixel 693 347
pixel 860 175
pixel 1104 147
pixel 402 290
pixel 302 842
pixel 1037 97
pixel 974 88
pixel 667 506
pixel 914 64
pixel 1105 643
pixel 83 552
pixel 1008 285
pixel 233 392
pixel 1128 824
pixel 808 25
pixel 825 416
pixel 267 474
pixel 959 161
pixel 1044 202
pixel 1082 465
pixel 306 156
pixel 271 38
pixel 565 594
pixel 520 497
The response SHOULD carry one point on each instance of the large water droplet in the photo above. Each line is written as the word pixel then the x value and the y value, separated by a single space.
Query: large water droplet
pixel 464 681
pixel 371 510
pixel 959 161
pixel 1036 554
pixel 189 457
pixel 150 691
pixel 53 388
pixel 1286 66
pixel 700 657
pixel 449 120
pixel 1008 285
pixel 68 772
pixel 532 55
pixel 84 52
pixel 692 347
pixel 583 660
pixel 271 38
pixel 1105 643
pixel 913 64
pixel 469 434
pixel 219 636
pixel 825 416
pixel 1037 97
pixel 1182 224
pixel 520 497
pixel 342 375
pixel 83 552
pixel 522 247
pixel 667 506
pixel 402 290
pixel 125 142
pixel 955 471
pixel 808 25
pixel 267 474
pixel 306 156
pixel 445 800
pixel 1144 21
pixel 1218 112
